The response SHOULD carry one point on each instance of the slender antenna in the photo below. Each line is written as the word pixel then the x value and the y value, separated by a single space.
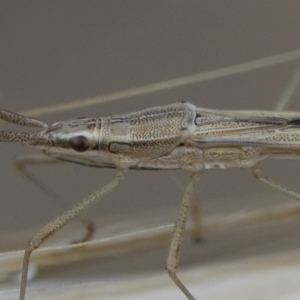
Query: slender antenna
pixel 20 120
pixel 27 138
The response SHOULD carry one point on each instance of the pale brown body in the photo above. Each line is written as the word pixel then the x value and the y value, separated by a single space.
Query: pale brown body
pixel 174 136
pixel 178 136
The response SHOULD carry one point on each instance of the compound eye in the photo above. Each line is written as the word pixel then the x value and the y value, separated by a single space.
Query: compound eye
pixel 80 143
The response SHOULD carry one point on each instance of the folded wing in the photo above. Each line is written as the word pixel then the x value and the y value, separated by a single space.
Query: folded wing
pixel 278 130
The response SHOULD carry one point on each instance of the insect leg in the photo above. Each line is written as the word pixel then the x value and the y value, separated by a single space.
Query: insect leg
pixel 178 231
pixel 59 222
pixel 258 172
pixel 195 212
pixel 38 159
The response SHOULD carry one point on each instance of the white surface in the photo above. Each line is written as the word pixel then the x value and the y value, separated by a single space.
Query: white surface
pixel 224 281
pixel 237 263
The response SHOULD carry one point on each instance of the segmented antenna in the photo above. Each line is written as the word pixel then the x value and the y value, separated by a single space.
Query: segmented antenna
pixel 20 120
pixel 27 138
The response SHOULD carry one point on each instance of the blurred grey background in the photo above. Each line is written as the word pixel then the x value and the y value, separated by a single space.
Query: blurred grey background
pixel 54 52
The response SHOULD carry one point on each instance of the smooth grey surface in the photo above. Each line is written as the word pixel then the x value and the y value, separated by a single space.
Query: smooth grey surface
pixel 59 51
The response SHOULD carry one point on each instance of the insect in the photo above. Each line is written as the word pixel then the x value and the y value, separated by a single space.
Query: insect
pixel 174 136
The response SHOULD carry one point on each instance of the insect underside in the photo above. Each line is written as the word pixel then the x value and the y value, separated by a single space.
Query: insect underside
pixel 174 136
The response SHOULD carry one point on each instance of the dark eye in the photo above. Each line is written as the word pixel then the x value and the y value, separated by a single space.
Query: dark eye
pixel 79 143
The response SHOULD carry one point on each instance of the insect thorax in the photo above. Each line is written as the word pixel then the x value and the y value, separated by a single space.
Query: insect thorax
pixel 147 134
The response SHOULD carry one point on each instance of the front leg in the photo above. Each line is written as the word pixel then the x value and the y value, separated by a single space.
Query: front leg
pixel 59 222
pixel 38 159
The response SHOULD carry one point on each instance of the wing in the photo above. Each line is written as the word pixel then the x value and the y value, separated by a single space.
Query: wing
pixel 232 128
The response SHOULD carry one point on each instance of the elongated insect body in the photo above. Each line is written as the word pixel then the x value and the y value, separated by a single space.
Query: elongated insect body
pixel 167 137
pixel 174 136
